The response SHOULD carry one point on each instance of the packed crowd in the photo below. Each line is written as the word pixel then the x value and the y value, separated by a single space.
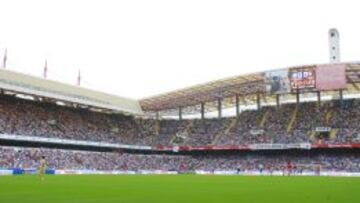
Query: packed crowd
pixel 287 124
pixel 23 117
pixel 28 158
pixel 278 162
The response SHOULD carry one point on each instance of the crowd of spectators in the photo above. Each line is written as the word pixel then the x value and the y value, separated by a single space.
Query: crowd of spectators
pixel 279 161
pixel 24 117
pixel 28 158
pixel 289 123
pixel 273 124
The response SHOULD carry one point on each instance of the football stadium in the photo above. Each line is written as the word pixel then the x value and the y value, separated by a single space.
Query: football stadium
pixel 289 133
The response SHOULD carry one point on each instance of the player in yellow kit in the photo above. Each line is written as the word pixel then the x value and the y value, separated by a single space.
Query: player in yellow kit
pixel 42 168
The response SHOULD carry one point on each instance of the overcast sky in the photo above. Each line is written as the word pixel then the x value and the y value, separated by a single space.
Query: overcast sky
pixel 140 48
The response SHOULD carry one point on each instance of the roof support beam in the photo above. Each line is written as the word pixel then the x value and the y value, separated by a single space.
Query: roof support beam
pixel 319 98
pixel 157 115
pixel 244 101
pixel 355 86
pixel 258 101
pixel 341 97
pixel 237 105
pixel 219 108
pixel 352 83
pixel 180 113
pixel 297 97
pixel 202 110
pixel 277 101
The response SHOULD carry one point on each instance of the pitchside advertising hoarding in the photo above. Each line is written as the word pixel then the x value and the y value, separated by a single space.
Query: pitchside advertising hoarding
pixel 306 78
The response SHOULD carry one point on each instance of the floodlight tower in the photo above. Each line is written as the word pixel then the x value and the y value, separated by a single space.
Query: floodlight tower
pixel 334 46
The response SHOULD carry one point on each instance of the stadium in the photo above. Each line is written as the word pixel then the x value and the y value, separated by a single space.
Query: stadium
pixel 290 133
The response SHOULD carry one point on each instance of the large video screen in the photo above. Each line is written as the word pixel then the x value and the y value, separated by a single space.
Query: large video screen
pixel 277 81
pixel 330 77
pixel 302 78
pixel 306 78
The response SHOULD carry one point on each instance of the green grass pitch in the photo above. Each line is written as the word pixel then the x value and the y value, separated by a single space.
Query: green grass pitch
pixel 177 188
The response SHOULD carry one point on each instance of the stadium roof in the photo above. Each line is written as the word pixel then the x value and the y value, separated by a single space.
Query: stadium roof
pixel 43 88
pixel 247 87
pixel 208 92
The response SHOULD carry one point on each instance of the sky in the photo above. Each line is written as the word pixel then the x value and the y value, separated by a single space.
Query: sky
pixel 138 48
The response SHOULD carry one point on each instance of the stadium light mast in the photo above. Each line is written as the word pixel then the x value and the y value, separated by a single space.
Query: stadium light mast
pixel 334 46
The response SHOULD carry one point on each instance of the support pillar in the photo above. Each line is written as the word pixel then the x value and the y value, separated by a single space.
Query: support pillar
pixel 180 113
pixel 237 107
pixel 157 115
pixel 258 102
pixel 202 110
pixel 319 98
pixel 297 98
pixel 219 108
pixel 341 97
pixel 277 101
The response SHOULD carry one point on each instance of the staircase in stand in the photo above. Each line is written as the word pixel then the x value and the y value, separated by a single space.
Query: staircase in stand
pixel 290 126
pixel 264 119
pixel 185 131
pixel 333 133
pixel 230 125
pixel 157 132
pixel 328 117
pixel 312 135
pixel 157 127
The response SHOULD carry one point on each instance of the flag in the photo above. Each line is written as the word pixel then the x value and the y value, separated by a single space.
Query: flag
pixel 5 58
pixel 45 69
pixel 79 78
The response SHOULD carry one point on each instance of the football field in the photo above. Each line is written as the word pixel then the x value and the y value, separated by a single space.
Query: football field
pixel 177 188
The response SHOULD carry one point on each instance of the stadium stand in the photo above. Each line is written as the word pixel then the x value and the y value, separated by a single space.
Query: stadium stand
pixel 126 139
pixel 24 117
